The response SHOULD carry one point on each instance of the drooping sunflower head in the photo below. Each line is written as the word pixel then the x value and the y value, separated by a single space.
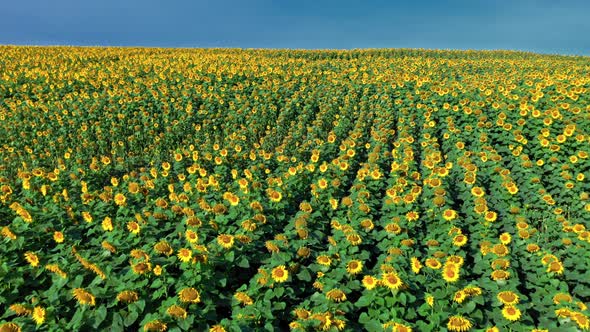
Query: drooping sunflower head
pixel 189 295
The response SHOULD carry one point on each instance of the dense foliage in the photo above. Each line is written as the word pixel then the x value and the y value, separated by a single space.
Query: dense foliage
pixel 248 190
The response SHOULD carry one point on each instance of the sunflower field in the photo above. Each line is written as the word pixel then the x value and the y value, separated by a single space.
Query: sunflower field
pixel 275 190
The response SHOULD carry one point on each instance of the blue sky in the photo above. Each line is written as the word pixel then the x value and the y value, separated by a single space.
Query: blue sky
pixel 540 26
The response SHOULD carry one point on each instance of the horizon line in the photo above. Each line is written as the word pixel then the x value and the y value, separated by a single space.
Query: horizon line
pixel 351 49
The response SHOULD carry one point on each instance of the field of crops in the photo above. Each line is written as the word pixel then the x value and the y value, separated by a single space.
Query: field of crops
pixel 261 190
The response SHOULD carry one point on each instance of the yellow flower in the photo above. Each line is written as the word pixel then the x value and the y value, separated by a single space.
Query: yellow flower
pixel 107 224
pixel 416 265
pixel 511 313
pixel 189 295
pixel 280 274
pixel 354 267
pixel 9 327
pixel 508 298
pixel 176 311
pixel 83 297
pixel 58 237
pixel 225 240
pixel 185 255
pixel 450 274
pixel 391 280
pixel 32 258
pixel 336 295
pixel 369 282
pixel 449 214
pixel 127 296
pixel 155 326
pixel 459 324
pixel 120 199
pixel 133 227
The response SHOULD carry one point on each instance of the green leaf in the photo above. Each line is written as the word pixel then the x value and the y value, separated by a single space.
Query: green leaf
pixel 363 301
pixel 99 315
pixel 244 263
pixel 304 275
pixel 131 318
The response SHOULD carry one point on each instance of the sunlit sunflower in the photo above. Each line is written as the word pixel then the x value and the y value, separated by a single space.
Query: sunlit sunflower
pixel 449 214
pixel 225 240
pixel 508 298
pixel 336 295
pixel 459 324
pixel 83 297
pixel 185 255
pixel 32 258
pixel 391 280
pixel 370 282
pixel 354 267
pixel 450 274
pixel 280 274
pixel 511 313
pixel 133 227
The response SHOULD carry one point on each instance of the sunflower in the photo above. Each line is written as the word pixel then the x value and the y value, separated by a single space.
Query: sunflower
pixel 163 247
pixel 58 237
pixel 508 298
pixel 500 275
pixel 491 216
pixel 412 216
pixel 225 240
pixel 9 327
pixel 107 224
pixel 280 274
pixel 581 320
pixel 459 240
pixel 459 324
pixel 20 309
pixel 450 274
pixel 275 196
pixel 429 299
pixel 243 298
pixel 416 265
pixel 324 260
pixel 433 263
pixel 500 250
pixel 505 238
pixel 391 280
pixel 185 255
pixel 472 290
pixel 32 258
pixel 449 214
pixel 133 227
pixel 141 268
pixel 562 297
pixel 370 282
pixel 190 295
pixel 128 296
pixel 39 315
pixel 83 297
pixel 191 236
pixel 176 311
pixel 460 296
pixel 155 326
pixel 336 295
pixel 354 239
pixel 555 267
pixel 354 267
pixel 511 313
pixel 477 191
pixel 120 199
